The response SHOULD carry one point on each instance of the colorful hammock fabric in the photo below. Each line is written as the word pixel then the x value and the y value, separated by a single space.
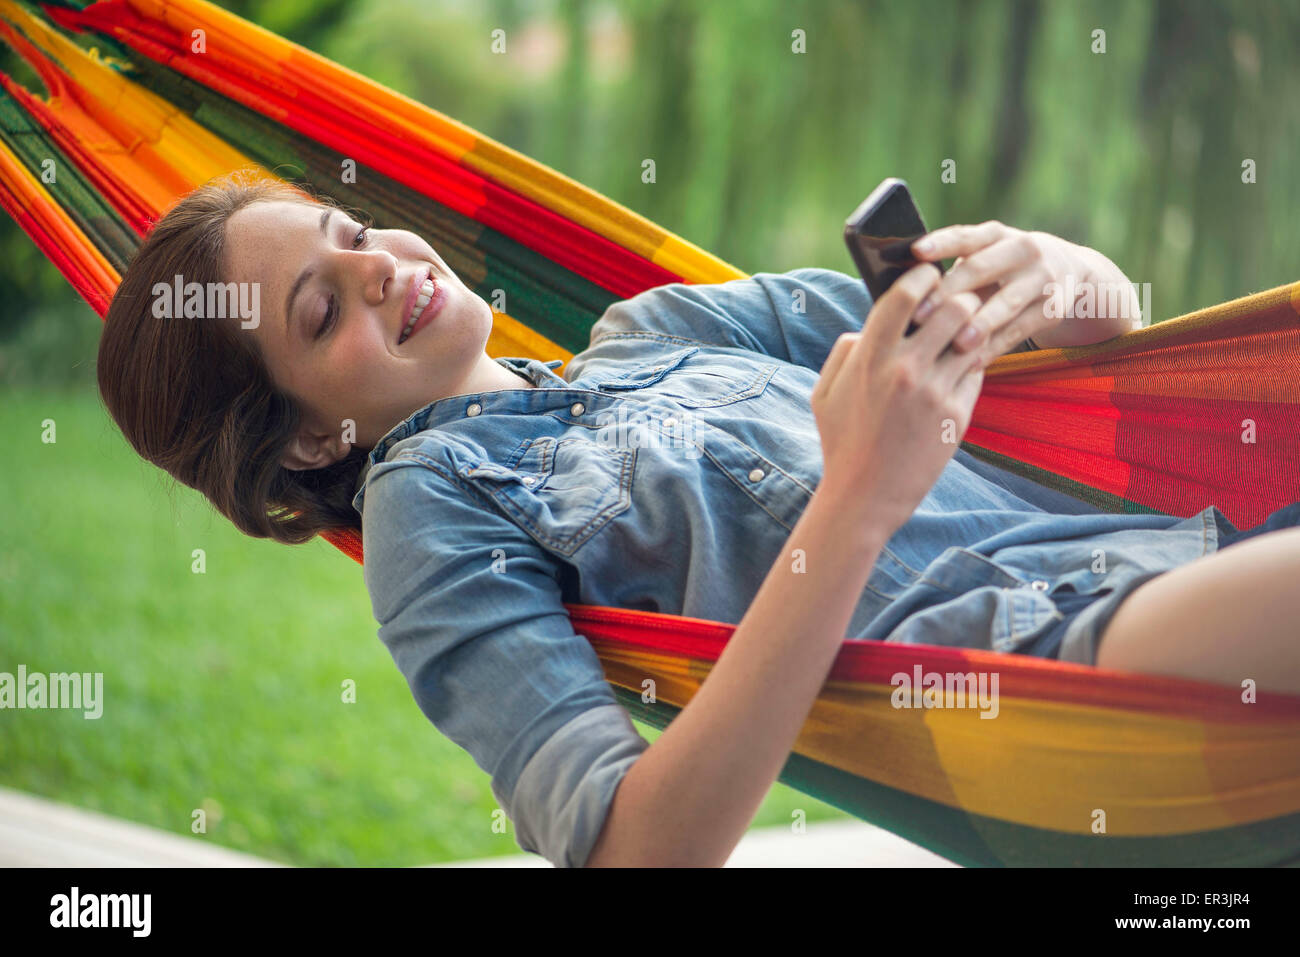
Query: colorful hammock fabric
pixel 1081 766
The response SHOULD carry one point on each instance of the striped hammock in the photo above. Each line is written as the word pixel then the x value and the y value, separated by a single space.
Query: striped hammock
pixel 1081 767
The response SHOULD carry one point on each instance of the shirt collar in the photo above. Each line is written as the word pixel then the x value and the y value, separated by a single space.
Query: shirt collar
pixel 539 373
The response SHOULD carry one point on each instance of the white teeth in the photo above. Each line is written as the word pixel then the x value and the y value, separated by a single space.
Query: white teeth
pixel 421 300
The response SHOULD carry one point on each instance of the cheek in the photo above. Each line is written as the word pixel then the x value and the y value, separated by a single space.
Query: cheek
pixel 357 355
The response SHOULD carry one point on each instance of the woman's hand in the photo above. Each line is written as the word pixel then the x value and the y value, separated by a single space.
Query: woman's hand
pixel 1023 279
pixel 892 409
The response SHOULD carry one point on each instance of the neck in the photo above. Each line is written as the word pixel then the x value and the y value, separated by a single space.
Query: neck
pixel 512 379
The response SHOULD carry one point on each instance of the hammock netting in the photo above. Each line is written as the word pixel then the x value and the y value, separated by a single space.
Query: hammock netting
pixel 1082 766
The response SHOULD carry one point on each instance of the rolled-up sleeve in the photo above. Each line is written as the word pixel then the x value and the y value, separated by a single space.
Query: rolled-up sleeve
pixel 471 610
pixel 794 316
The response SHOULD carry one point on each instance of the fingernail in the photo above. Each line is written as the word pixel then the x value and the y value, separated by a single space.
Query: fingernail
pixel 924 309
pixel 968 337
pixel 924 245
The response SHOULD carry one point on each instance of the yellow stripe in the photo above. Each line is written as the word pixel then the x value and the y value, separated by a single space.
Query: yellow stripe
pixel 1038 763
pixel 687 260
pixel 510 337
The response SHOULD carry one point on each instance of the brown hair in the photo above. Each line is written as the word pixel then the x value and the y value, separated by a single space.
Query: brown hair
pixel 195 397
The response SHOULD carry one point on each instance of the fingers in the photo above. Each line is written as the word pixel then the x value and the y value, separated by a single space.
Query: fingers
pixel 956 371
pixel 1013 253
pixel 953 241
pixel 839 352
pixel 998 318
pixel 947 322
pixel 888 318
pixel 966 383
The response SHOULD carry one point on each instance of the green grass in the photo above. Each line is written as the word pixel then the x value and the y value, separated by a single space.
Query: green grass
pixel 222 690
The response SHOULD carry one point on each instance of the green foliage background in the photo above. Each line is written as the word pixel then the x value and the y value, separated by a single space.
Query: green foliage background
pixel 223 688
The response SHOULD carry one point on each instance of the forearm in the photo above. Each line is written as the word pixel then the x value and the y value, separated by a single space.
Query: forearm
pixel 690 796
pixel 1115 307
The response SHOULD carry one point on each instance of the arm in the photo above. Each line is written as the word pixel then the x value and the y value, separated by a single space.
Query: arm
pixel 688 800
pixel 470 608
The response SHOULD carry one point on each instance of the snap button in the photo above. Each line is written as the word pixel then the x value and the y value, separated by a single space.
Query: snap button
pixel 577 408
pixel 755 475
pixel 474 409
pixel 1039 584
pixel 669 423
pixel 529 479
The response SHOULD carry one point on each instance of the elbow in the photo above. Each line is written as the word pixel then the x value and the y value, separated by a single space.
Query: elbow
pixel 603 851
pixel 598 857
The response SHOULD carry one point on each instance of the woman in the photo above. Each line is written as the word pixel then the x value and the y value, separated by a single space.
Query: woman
pixel 692 460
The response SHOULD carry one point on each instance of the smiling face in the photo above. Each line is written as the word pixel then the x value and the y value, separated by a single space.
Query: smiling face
pixel 335 299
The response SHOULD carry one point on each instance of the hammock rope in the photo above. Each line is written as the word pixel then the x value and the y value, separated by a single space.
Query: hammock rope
pixel 1081 767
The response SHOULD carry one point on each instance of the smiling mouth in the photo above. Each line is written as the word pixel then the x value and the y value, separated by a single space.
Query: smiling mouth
pixel 428 289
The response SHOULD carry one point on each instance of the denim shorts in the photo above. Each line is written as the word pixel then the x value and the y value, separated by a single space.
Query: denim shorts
pixel 1070 603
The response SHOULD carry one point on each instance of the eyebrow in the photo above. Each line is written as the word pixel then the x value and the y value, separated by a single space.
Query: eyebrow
pixel 305 274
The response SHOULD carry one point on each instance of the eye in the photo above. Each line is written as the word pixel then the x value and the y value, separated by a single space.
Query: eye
pixel 331 314
pixel 331 307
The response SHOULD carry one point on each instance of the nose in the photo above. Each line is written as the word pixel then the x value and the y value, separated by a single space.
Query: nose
pixel 377 270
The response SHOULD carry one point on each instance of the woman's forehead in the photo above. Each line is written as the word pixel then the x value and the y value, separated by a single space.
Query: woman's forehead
pixel 260 237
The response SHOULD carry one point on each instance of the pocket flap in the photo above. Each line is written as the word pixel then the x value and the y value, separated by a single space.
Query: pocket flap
pixel 650 372
pixel 961 570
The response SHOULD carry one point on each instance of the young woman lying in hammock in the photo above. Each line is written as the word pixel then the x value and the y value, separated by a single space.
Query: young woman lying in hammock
pixel 692 460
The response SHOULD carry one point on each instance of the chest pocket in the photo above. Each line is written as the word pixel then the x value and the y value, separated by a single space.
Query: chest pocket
pixel 561 491
pixel 697 380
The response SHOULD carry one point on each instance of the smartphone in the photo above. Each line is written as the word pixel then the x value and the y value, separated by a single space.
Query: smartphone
pixel 880 234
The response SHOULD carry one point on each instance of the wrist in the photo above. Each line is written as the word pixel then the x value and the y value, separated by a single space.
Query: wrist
pixel 852 514
pixel 1111 288
pixel 1100 288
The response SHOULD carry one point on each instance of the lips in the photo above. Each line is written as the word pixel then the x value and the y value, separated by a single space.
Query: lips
pixel 423 284
pixel 412 293
pixel 430 310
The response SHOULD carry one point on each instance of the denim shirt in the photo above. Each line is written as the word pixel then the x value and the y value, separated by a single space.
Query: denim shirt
pixel 664 472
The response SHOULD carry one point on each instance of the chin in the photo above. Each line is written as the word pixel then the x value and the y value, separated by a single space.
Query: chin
pixel 485 316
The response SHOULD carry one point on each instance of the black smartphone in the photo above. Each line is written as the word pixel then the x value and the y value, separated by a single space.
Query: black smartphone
pixel 880 234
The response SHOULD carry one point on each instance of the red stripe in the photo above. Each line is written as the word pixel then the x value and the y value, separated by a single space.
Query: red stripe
pixel 1020 416
pixel 1189 455
pixel 1020 676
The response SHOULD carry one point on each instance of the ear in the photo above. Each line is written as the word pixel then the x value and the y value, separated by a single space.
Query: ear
pixel 310 449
